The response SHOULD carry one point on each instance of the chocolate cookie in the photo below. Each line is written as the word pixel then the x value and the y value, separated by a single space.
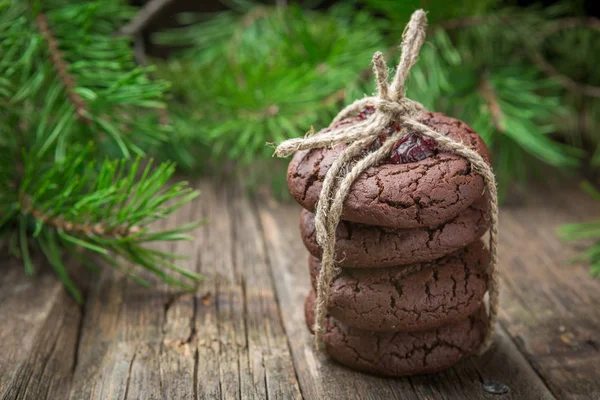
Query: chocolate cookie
pixel 409 298
pixel 401 353
pixel 367 246
pixel 424 193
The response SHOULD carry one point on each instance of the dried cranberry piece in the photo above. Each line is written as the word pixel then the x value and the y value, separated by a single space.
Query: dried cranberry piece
pixel 366 112
pixel 387 132
pixel 412 148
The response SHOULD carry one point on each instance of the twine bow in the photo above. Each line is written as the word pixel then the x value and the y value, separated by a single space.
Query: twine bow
pixel 391 106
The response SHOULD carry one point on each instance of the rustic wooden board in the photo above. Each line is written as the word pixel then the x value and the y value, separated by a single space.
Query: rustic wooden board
pixel 226 341
pixel 39 326
pixel 551 307
pixel 242 334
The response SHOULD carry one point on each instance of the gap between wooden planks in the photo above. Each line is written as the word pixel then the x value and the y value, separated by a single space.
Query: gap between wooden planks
pixel 243 334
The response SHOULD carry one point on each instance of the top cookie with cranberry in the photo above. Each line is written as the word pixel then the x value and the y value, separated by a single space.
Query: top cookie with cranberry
pixel 418 186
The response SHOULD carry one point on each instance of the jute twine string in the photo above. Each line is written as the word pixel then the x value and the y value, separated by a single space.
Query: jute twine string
pixel 391 106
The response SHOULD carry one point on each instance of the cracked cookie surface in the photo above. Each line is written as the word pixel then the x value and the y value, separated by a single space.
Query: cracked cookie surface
pixel 400 353
pixel 367 246
pixel 411 298
pixel 426 193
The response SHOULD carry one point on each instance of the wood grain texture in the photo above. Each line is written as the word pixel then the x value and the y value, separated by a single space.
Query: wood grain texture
pixel 39 326
pixel 551 307
pixel 226 341
pixel 243 335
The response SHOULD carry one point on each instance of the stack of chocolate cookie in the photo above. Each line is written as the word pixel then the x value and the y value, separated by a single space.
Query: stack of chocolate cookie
pixel 409 297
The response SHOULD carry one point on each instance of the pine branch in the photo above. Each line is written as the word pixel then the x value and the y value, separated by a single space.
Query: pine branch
pixel 105 211
pixel 550 28
pixel 85 228
pixel 511 104
pixel 587 232
pixel 93 70
pixel 142 59
pixel 459 14
pixel 448 78
pixel 62 68
pixel 469 21
pixel 58 194
pixel 144 16
pixel 570 50
pixel 489 94
pixel 547 67
pixel 272 84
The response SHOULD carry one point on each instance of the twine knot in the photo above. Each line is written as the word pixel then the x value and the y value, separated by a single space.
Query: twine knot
pixel 391 107
pixel 403 107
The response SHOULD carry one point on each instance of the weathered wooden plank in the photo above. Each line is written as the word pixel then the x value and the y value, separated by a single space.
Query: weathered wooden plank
pixel 550 306
pixel 219 315
pixel 321 378
pixel 226 341
pixel 238 317
pixel 232 339
pixel 269 355
pixel 138 342
pixel 38 335
pixel 120 340
pixel 178 355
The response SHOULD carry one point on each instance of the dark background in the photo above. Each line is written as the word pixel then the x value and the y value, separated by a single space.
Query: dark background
pixel 166 18
pixel 216 5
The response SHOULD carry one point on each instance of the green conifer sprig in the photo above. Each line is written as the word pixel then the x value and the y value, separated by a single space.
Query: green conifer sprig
pixel 68 80
pixel 477 66
pixel 587 231
pixel 485 74
pixel 263 76
pixel 579 41
pixel 514 108
pixel 87 82
pixel 569 42
pixel 106 211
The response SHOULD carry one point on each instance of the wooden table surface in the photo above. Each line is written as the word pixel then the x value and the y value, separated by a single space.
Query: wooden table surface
pixel 242 335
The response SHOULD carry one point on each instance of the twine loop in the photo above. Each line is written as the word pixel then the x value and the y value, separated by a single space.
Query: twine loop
pixel 391 107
